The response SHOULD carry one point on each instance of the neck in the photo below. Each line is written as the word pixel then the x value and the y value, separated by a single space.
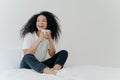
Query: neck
pixel 38 33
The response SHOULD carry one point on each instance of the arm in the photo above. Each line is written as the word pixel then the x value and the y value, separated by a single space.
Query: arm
pixel 51 50
pixel 34 47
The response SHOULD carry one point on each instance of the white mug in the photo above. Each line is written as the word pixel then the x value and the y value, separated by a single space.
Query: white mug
pixel 44 31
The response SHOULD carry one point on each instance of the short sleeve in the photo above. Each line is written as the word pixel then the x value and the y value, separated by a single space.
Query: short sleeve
pixel 27 41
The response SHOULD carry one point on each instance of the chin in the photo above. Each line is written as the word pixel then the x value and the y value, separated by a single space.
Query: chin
pixel 39 29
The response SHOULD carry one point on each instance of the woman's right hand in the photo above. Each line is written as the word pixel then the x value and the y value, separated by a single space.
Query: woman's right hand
pixel 41 36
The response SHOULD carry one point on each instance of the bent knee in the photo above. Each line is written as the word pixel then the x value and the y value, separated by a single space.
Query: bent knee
pixel 28 56
pixel 64 52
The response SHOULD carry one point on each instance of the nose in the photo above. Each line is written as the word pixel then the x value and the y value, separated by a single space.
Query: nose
pixel 40 23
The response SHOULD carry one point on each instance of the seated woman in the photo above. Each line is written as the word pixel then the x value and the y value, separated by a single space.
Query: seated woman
pixel 39 33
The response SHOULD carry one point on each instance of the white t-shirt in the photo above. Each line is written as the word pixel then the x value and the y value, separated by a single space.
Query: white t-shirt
pixel 42 49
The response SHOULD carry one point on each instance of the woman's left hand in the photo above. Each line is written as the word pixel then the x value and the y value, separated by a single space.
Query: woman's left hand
pixel 48 35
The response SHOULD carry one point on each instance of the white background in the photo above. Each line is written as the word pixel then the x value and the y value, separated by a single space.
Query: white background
pixel 90 28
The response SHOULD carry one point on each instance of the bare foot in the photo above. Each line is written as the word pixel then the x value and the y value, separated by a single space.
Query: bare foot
pixel 57 67
pixel 49 71
pixel 54 70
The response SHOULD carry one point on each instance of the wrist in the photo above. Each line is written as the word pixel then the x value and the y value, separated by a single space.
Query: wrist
pixel 40 39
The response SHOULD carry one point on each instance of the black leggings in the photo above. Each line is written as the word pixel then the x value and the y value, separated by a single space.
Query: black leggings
pixel 29 61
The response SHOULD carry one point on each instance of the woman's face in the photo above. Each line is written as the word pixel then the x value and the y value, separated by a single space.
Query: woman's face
pixel 41 22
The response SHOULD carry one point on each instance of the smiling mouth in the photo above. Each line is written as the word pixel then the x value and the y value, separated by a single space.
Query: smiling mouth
pixel 40 26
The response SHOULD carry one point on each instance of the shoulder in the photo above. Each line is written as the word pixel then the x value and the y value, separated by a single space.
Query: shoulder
pixel 29 35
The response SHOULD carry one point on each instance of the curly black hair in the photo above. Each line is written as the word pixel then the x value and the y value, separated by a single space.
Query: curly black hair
pixel 52 25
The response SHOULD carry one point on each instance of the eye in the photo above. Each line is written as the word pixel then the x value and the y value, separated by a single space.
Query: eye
pixel 44 21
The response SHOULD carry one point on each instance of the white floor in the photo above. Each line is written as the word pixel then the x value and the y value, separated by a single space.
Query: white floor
pixel 84 72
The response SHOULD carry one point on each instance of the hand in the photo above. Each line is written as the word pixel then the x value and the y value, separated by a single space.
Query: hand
pixel 41 36
pixel 48 35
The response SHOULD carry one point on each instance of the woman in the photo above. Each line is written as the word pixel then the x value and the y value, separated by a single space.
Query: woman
pixel 38 42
